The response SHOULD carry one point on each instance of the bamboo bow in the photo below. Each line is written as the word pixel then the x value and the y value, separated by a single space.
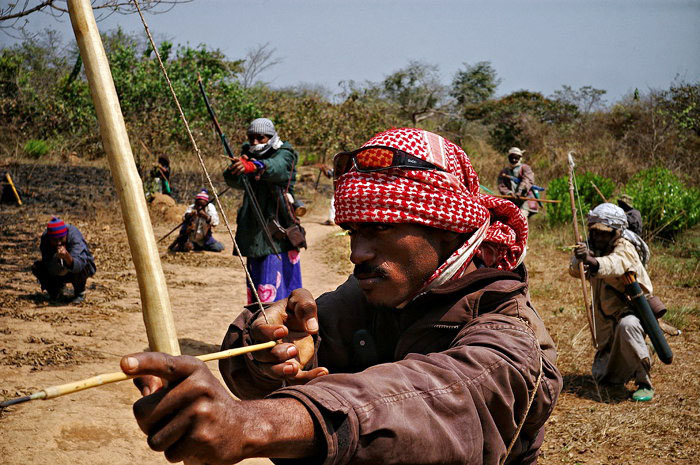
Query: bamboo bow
pixel 577 238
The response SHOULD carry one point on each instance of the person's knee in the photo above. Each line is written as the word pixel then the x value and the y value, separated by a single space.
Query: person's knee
pixel 217 247
pixel 630 326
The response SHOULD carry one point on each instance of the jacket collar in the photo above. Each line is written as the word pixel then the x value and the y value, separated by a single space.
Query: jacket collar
pixel 478 292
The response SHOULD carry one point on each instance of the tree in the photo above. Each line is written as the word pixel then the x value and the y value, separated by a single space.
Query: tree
pixel 508 116
pixel 257 60
pixel 475 83
pixel 416 90
pixel 13 16
pixel 586 98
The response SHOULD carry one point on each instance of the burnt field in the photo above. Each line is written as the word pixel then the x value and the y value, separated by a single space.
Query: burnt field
pixel 43 344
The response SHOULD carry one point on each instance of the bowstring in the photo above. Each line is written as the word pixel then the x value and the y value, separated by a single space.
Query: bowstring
pixel 249 279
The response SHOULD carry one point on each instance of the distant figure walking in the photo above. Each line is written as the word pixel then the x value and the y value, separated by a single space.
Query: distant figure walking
pixel 65 258
pixel 517 180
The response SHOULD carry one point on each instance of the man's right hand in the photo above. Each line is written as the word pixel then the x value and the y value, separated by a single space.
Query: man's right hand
pixel 295 321
pixel 191 417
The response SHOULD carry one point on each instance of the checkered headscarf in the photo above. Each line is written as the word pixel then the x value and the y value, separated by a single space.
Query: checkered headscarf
pixel 445 200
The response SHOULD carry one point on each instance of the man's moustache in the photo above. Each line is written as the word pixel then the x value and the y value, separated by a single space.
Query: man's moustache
pixel 366 269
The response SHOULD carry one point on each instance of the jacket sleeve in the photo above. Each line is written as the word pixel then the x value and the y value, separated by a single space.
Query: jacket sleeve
pixel 462 405
pixel 278 168
pixel 233 180
pixel 621 260
pixel 213 214
pixel 77 248
pixel 504 184
pixel 527 179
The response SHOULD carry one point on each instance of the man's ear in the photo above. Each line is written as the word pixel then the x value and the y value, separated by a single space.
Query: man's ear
pixel 451 241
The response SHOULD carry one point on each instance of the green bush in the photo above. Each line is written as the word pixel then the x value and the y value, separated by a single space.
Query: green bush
pixel 36 148
pixel 558 189
pixel 666 203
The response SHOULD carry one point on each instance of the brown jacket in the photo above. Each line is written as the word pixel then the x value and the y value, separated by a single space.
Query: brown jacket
pixel 445 380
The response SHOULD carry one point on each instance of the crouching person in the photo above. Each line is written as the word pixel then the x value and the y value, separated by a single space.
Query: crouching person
pixel 622 353
pixel 65 258
pixel 431 352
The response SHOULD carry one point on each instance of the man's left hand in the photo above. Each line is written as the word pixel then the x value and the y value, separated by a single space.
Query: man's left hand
pixel 581 251
pixel 242 165
pixel 584 255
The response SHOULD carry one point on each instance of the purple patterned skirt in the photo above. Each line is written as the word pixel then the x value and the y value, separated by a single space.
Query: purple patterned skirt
pixel 275 278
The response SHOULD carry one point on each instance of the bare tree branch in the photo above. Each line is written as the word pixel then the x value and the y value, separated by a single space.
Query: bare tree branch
pixel 257 60
pixel 11 14
pixel 24 12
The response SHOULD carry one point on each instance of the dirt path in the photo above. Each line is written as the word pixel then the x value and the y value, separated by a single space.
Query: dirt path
pixel 65 343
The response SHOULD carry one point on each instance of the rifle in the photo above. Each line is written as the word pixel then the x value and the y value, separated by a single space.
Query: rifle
pixel 244 179
pixel 183 221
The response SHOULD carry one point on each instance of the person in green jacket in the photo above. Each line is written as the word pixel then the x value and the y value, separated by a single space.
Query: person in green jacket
pixel 270 167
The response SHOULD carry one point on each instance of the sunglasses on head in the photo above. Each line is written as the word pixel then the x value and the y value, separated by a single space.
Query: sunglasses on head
pixel 378 158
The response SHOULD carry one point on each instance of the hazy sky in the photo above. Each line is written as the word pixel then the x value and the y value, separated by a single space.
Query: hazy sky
pixel 617 45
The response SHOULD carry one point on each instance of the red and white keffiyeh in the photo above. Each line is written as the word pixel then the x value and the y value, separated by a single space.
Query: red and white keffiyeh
pixel 446 200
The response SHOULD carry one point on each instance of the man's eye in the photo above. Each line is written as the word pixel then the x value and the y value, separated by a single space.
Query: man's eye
pixel 382 226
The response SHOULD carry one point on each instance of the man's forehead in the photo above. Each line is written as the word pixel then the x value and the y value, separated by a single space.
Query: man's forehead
pixel 414 227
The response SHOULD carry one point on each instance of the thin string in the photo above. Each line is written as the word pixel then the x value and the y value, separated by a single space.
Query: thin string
pixel 201 160
pixel 527 410
pixel 578 199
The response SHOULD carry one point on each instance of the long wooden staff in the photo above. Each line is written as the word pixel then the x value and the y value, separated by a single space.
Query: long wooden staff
pixel 577 238
pixel 14 190
pixel 157 315
pixel 108 378
pixel 599 193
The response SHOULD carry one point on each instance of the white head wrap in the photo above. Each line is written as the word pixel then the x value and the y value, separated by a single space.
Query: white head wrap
pixel 265 127
pixel 615 217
